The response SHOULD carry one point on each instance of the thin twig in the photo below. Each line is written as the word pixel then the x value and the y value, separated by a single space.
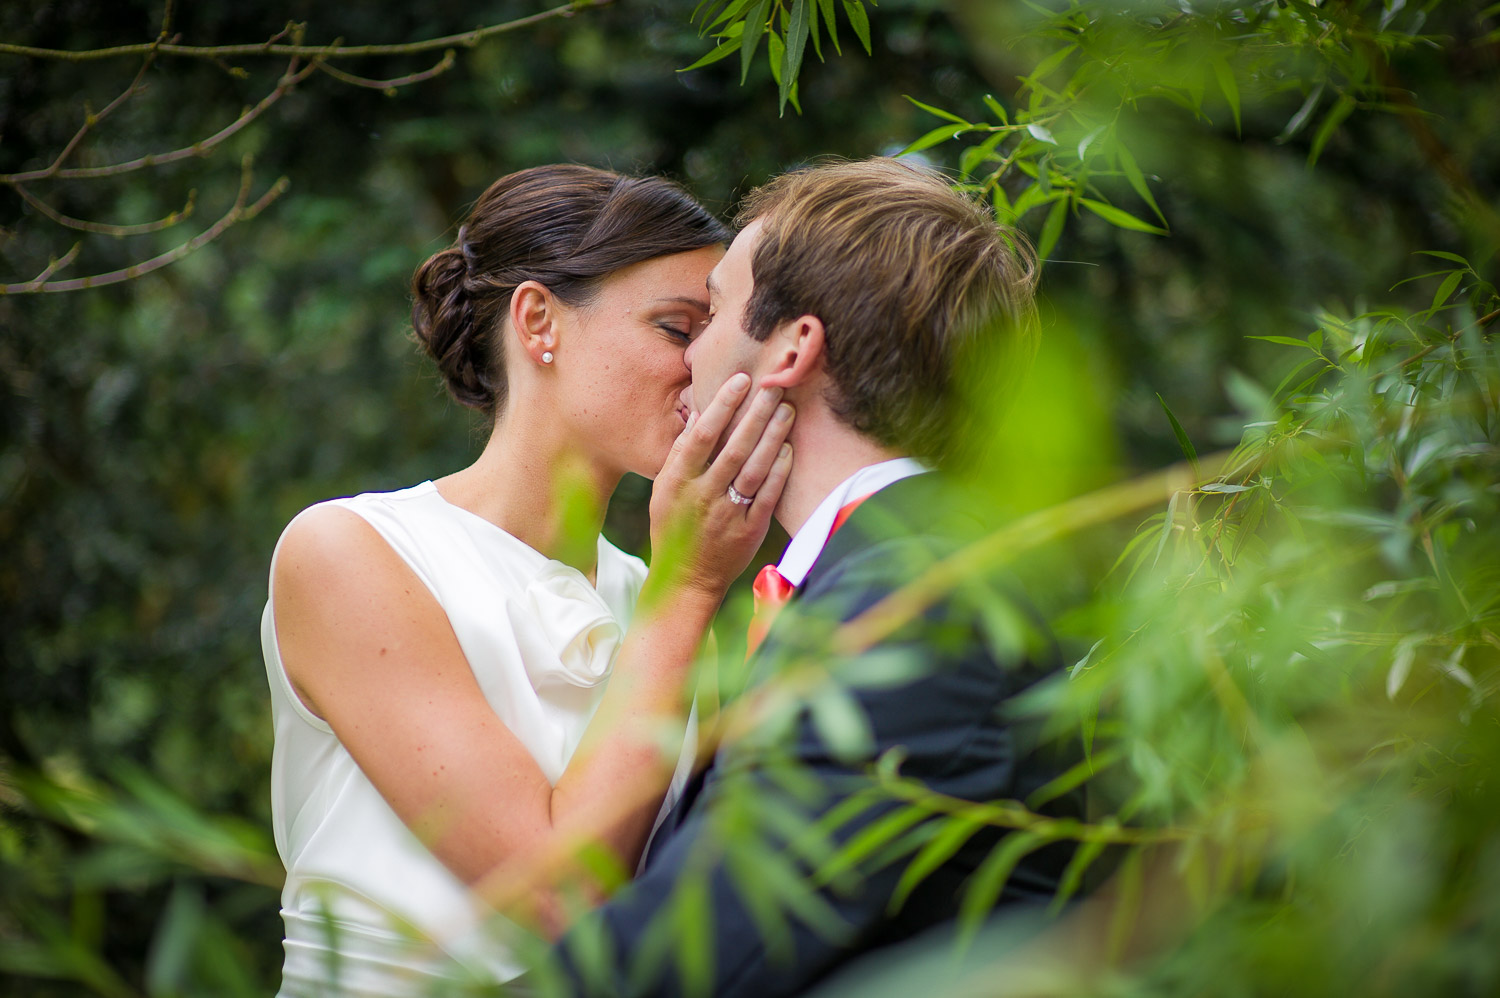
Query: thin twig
pixel 239 212
pixel 447 63
pixel 1432 147
pixel 1422 353
pixel 467 39
pixel 1013 814
pixel 197 149
pixel 90 120
pixel 56 265
pixel 104 228
pixel 1102 506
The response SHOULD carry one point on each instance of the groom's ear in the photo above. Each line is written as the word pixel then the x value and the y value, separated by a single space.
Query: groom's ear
pixel 794 353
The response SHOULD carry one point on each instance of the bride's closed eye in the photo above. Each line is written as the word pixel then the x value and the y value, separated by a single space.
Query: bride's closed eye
pixel 682 332
pixel 682 327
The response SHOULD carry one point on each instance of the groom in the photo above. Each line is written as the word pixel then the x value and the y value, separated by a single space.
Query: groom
pixel 870 293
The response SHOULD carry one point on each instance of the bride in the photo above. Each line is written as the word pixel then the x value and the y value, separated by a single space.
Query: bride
pixel 438 656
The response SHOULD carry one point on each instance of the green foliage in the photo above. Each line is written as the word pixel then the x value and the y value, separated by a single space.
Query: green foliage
pixel 1285 685
pixel 786 25
pixel 1304 687
pixel 1101 66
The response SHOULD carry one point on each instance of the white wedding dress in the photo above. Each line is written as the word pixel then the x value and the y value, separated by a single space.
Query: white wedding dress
pixel 368 909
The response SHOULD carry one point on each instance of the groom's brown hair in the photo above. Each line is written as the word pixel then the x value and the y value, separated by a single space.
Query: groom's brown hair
pixel 911 279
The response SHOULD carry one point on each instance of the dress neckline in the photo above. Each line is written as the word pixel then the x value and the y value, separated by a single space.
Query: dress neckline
pixel 543 563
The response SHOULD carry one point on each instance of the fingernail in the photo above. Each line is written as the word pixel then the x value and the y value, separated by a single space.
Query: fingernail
pixel 783 413
pixel 786 451
pixel 739 382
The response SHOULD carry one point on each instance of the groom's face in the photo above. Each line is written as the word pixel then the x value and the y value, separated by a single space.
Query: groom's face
pixel 723 348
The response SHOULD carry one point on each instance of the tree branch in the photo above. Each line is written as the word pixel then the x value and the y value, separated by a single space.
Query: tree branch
pixel 198 149
pixel 467 39
pixel 90 120
pixel 390 86
pixel 104 228
pixel 1093 509
pixel 56 265
pixel 239 212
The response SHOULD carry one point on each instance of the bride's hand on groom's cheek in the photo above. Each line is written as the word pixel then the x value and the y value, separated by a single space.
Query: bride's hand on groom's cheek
pixel 711 505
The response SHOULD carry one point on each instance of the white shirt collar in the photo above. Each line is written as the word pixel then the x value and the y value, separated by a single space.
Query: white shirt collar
pixel 809 541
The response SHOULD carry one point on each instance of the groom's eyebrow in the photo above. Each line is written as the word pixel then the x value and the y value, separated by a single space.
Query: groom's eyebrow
pixel 712 285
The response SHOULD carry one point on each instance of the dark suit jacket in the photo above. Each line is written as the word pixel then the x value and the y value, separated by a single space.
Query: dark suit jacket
pixel 934 697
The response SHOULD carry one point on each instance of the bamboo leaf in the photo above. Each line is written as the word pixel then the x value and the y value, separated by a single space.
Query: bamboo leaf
pixel 1080 771
pixel 706 9
pixel 829 19
pixel 176 937
pixel 757 892
pixel 1052 228
pixel 755 27
pixel 1129 880
pixel 938 135
pixel 1392 8
pixel 1445 290
pixel 1331 121
pixel 795 893
pixel 1137 180
pixel 1120 219
pixel 934 854
pixel 840 722
pixel 694 919
pixel 989 880
pixel 868 839
pixel 939 112
pixel 1003 210
pixel 1088 140
pixel 1083 857
pixel 1041 134
pixel 1299 120
pixel 796 45
pixel 1225 76
pixel 1047 65
pixel 1395 677
pixel 1167 523
pixel 722 51
pixel 730 12
pixel 859 20
pixel 1453 257
pixel 1283 340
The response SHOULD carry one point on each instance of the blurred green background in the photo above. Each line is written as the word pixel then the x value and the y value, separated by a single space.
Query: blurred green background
pixel 155 435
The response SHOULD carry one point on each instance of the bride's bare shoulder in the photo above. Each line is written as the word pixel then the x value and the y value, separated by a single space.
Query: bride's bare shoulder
pixel 326 549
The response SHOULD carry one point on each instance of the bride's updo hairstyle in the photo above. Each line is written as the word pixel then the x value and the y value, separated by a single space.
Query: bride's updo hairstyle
pixel 566 227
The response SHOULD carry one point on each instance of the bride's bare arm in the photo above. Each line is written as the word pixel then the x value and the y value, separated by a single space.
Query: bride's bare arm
pixel 370 651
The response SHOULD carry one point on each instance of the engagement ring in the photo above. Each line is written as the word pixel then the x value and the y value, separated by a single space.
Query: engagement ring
pixel 737 499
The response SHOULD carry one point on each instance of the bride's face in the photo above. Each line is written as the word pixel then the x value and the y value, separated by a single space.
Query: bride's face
pixel 624 373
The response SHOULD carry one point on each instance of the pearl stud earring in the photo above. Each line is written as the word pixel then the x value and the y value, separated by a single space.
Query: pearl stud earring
pixel 546 356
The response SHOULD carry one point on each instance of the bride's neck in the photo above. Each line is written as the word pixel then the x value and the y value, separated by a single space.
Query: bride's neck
pixel 532 484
